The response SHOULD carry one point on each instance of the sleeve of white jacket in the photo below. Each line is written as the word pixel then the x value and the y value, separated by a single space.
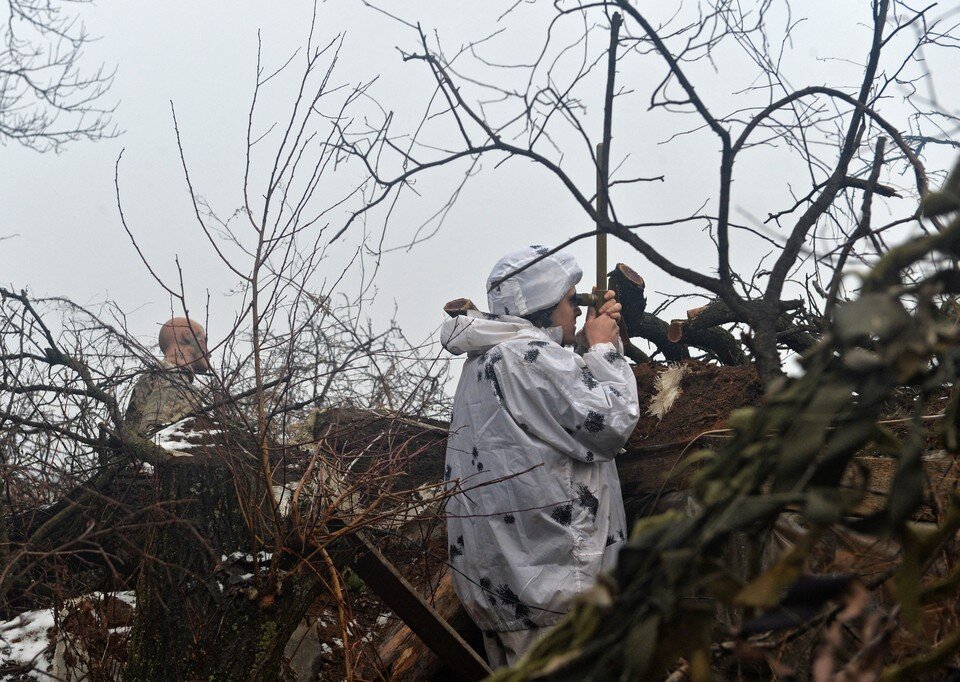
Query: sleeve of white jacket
pixel 585 407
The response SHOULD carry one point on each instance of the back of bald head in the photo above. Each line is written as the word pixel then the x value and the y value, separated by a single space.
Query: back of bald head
pixel 183 343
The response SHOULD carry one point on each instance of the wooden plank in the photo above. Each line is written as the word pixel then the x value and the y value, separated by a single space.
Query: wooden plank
pixel 404 656
pixel 384 579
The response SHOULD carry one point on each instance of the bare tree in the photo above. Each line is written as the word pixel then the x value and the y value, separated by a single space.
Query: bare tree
pixel 47 98
pixel 227 521
pixel 839 136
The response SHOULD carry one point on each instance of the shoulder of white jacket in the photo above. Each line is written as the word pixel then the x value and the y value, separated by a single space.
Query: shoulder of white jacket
pixel 531 348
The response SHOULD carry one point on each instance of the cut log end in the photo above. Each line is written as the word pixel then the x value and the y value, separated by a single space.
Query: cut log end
pixel 675 331
pixel 458 306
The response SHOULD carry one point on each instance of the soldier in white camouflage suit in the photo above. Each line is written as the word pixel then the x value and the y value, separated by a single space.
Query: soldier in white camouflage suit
pixel 534 432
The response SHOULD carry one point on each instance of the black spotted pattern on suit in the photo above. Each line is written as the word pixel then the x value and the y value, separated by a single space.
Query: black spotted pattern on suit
pixel 589 456
pixel 531 355
pixel 510 599
pixel 475 459
pixel 489 373
pixel 594 422
pixel 540 249
pixel 613 357
pixel 587 500
pixel 491 316
pixel 590 381
pixel 457 549
pixel 509 519
pixel 447 472
pixel 538 344
pixel 562 514
pixel 616 392
pixel 620 537
pixel 569 431
pixel 485 585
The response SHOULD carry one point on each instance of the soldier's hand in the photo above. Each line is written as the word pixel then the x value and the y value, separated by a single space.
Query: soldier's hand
pixel 603 327
pixel 611 306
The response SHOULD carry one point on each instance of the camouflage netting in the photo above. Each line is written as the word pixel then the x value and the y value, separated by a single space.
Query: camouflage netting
pixel 796 456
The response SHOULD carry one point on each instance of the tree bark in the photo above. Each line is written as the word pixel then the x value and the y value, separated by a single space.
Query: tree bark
pixel 194 620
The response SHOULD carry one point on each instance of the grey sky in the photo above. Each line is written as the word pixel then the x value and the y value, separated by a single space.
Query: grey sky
pixel 201 56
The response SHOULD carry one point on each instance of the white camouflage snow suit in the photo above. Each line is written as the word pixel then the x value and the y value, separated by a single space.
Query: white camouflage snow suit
pixel 534 432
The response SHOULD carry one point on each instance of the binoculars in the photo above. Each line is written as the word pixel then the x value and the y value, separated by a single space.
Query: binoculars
pixel 593 300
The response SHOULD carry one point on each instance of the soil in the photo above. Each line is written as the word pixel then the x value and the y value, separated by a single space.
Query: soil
pixel 709 394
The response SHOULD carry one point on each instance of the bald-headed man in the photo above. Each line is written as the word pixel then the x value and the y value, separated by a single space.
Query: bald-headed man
pixel 163 395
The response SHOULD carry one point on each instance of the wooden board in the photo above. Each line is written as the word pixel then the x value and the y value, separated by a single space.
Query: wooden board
pixel 422 619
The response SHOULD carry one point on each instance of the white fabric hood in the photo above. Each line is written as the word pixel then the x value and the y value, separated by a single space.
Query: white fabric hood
pixel 542 284
pixel 477 332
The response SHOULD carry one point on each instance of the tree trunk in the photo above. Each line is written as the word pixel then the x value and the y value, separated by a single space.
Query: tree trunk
pixel 764 347
pixel 199 615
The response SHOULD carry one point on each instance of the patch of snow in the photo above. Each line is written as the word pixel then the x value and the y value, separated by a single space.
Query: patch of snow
pixel 24 642
pixel 382 619
pixel 338 642
pixel 128 597
pixel 173 439
pixel 325 648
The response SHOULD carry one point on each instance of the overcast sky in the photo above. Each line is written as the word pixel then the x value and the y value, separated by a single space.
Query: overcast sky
pixel 201 56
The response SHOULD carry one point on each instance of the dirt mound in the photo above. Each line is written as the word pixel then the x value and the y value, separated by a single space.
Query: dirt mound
pixel 708 394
